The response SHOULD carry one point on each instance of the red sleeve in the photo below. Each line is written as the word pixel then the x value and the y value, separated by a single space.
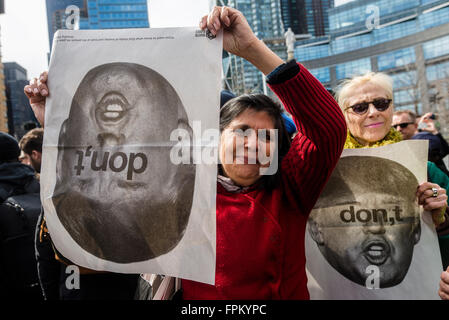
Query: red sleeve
pixel 321 135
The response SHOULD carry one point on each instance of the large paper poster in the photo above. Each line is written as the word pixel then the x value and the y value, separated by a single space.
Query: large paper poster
pixel 366 237
pixel 119 192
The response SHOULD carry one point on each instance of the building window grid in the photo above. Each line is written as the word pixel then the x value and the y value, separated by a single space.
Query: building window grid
pixel 310 53
pixel 358 13
pixel 436 48
pixel 406 96
pixel 409 107
pixel 377 36
pixel 396 58
pixel 353 68
pixel 352 43
pixel 438 71
pixel 103 2
pixel 322 74
pixel 404 79
pixel 434 18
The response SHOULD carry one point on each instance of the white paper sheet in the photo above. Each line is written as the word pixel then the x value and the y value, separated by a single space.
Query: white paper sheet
pixel 114 199
pixel 349 256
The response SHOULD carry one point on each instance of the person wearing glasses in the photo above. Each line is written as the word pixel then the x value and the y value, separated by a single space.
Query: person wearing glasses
pixel 404 121
pixel 260 218
pixel 367 104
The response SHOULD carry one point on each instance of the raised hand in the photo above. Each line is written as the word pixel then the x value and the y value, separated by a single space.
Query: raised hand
pixel 37 93
pixel 239 39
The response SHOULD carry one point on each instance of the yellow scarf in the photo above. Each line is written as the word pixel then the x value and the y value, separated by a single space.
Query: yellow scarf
pixel 392 136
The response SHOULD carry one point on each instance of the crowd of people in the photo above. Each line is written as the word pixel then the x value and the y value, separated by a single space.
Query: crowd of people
pixel 264 257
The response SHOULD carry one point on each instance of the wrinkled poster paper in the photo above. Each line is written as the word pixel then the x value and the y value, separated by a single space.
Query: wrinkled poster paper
pixel 120 100
pixel 366 237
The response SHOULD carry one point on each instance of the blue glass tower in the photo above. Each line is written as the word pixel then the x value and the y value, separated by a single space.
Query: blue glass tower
pixel 98 14
pixel 19 109
pixel 306 16
pixel 114 14
pixel 56 15
pixel 264 17
pixel 408 39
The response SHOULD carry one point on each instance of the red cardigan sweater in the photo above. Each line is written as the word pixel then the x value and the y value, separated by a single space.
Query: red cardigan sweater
pixel 260 234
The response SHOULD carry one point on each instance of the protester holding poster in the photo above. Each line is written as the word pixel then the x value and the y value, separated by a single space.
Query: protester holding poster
pixel 125 185
pixel 368 108
pixel 366 221
pixel 261 218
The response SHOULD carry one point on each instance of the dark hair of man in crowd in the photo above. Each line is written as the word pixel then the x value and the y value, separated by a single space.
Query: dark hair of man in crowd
pixel 259 102
pixel 32 140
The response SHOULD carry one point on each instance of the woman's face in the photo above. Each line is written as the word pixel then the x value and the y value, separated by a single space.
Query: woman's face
pixel 242 150
pixel 373 125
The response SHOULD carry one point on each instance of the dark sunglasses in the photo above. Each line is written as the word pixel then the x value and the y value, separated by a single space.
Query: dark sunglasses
pixel 380 104
pixel 402 125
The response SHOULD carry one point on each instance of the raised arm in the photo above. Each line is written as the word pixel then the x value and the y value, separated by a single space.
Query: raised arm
pixel 321 131
pixel 320 122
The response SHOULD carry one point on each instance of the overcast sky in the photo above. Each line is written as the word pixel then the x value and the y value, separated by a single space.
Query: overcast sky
pixel 24 33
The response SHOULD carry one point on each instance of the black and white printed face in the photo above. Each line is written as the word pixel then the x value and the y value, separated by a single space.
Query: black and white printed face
pixel 373 232
pixel 117 193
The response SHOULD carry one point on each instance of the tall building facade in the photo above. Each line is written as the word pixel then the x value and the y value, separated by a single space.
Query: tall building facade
pixel 98 14
pixel 407 39
pixel 115 14
pixel 19 109
pixel 56 15
pixel 306 17
pixel 3 106
pixel 264 17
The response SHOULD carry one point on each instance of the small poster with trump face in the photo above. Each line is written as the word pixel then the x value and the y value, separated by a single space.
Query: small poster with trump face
pixel 119 192
pixel 366 237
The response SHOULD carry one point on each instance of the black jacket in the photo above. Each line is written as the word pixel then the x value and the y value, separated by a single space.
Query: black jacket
pixel 19 210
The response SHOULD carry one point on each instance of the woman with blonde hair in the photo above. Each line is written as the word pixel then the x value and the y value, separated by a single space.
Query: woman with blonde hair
pixel 367 104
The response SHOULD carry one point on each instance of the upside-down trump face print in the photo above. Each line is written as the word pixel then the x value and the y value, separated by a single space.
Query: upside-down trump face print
pixel 117 193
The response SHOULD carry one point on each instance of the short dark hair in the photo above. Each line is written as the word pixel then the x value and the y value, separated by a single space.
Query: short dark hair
pixel 259 103
pixel 32 140
pixel 367 173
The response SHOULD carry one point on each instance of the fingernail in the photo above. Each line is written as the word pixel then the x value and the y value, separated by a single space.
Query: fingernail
pixel 44 92
pixel 36 90
pixel 28 90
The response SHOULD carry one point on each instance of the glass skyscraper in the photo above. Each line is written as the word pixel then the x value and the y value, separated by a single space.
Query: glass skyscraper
pixel 3 107
pixel 19 109
pixel 113 14
pixel 264 17
pixel 306 17
pixel 408 39
pixel 98 14
pixel 56 15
